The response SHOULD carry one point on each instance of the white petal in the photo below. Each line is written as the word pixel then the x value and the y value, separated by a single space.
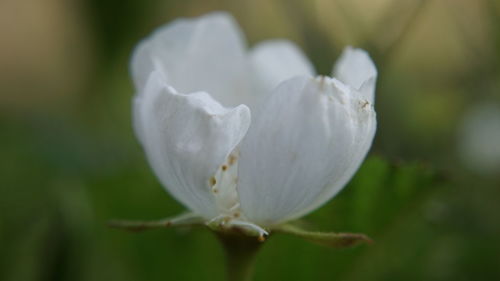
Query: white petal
pixel 302 148
pixel 275 61
pixel 186 138
pixel 355 68
pixel 202 54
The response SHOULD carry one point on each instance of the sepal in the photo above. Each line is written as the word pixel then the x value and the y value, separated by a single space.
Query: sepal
pixel 233 226
pixel 221 225
pixel 328 239
pixel 186 219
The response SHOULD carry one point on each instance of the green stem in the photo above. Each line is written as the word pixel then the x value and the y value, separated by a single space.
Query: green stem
pixel 240 253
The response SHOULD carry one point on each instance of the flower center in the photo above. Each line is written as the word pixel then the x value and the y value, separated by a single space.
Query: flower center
pixel 223 186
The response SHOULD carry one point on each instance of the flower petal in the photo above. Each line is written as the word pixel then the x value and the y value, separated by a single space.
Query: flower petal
pixel 201 54
pixel 186 138
pixel 302 148
pixel 355 68
pixel 275 61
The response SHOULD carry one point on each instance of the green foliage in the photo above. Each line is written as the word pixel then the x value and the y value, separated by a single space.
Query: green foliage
pixel 63 235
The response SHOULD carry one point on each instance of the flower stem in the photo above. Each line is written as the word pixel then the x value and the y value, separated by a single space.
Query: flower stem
pixel 240 253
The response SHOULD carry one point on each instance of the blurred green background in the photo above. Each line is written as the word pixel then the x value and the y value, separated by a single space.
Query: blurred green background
pixel 429 193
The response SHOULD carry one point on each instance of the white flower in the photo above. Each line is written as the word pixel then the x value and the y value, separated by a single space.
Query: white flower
pixel 248 138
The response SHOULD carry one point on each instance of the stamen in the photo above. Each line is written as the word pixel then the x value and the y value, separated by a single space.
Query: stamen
pixel 231 159
pixel 213 181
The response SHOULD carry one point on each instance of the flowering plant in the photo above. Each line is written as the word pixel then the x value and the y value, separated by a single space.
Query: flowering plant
pixel 248 140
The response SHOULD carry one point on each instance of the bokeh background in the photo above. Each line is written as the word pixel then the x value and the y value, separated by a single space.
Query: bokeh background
pixel 428 194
